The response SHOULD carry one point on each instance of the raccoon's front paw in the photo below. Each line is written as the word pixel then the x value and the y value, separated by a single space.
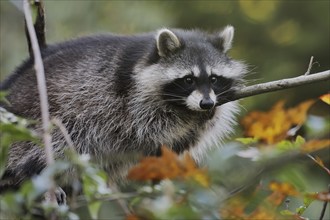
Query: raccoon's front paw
pixel 60 196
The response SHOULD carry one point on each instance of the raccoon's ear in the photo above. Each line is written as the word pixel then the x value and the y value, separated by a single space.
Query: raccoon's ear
pixel 167 42
pixel 224 39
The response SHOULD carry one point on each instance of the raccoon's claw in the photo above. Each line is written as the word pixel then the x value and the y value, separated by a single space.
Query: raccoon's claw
pixel 60 196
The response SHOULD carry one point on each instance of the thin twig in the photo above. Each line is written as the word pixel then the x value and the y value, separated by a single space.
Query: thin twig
pixel 279 85
pixel 81 200
pixel 318 163
pixel 122 203
pixel 65 133
pixel 324 206
pixel 310 66
pixel 39 67
pixel 39 27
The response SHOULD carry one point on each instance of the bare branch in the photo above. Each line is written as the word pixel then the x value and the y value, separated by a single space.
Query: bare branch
pixel 279 85
pixel 65 133
pixel 39 27
pixel 324 206
pixel 122 203
pixel 310 66
pixel 39 67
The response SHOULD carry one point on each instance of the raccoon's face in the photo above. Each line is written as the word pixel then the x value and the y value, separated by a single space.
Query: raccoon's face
pixel 197 73
pixel 198 90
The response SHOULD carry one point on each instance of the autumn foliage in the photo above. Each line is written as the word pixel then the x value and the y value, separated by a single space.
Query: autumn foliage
pixel 275 129
pixel 273 172
pixel 168 166
pixel 273 126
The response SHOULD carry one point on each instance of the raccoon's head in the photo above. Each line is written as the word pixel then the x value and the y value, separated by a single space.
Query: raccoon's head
pixel 193 70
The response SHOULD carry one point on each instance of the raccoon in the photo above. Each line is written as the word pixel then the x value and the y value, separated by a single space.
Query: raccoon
pixel 123 97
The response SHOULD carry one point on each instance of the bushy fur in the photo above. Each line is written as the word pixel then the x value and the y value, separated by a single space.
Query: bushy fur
pixel 112 94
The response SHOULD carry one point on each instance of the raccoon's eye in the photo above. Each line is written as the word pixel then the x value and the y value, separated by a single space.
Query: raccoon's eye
pixel 213 79
pixel 189 80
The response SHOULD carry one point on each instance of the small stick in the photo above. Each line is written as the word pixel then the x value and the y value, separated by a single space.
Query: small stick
pixel 39 67
pixel 120 201
pixel 310 66
pixel 39 27
pixel 64 131
pixel 324 206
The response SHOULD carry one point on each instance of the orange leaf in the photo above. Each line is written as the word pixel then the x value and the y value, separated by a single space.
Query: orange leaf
pixel 156 168
pixel 325 98
pixel 189 163
pixel 263 213
pixel 168 166
pixel 191 171
pixel 235 208
pixel 314 145
pixel 273 126
pixel 276 198
pixel 297 115
pixel 284 188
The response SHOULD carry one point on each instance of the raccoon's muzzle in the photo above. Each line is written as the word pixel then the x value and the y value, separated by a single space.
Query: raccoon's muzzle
pixel 206 103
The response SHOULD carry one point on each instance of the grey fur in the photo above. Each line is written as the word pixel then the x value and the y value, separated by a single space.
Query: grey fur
pixel 108 92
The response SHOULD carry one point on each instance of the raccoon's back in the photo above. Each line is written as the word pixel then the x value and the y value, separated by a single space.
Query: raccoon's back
pixel 76 70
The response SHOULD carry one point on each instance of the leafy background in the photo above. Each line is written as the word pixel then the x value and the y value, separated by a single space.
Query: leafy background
pixel 276 38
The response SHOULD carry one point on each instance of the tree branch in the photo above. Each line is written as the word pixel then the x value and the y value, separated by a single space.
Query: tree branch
pixel 310 66
pixel 324 206
pixel 39 27
pixel 279 85
pixel 39 67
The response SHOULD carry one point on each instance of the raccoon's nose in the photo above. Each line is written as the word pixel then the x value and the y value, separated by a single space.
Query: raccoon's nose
pixel 206 103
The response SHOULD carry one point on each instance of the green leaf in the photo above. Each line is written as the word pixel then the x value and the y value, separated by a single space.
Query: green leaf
pixel 300 140
pixel 17 133
pixel 287 212
pixel 30 193
pixel 111 210
pixel 183 211
pixel 258 199
pixel 307 201
pixel 285 145
pixel 136 200
pixel 15 128
pixel 300 210
pixel 34 11
pixel 247 141
pixel 12 129
pixel 4 148
pixel 12 203
pixel 3 97
pixel 293 175
pixel 94 208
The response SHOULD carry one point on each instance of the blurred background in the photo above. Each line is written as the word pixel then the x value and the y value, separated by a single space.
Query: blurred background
pixel 276 38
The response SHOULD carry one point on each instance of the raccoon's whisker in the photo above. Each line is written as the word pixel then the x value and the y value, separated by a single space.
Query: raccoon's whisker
pixel 226 99
pixel 180 86
pixel 174 100
pixel 241 106
pixel 223 92
pixel 173 95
